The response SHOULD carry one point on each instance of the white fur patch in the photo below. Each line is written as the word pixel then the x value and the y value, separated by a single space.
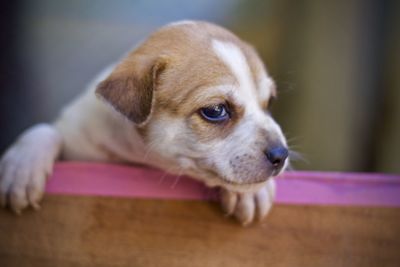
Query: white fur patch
pixel 235 60
pixel 182 22
pixel 247 95
pixel 26 165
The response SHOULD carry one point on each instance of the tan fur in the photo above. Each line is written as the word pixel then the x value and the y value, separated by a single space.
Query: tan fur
pixel 129 89
pixel 148 112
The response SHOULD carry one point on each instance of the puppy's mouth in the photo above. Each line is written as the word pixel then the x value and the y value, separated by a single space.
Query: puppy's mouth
pixel 209 174
pixel 215 178
pixel 247 182
pixel 244 183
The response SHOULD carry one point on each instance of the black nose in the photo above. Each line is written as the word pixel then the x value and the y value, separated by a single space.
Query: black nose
pixel 277 156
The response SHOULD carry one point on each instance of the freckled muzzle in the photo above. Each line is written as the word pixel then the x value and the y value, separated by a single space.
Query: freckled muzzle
pixel 248 168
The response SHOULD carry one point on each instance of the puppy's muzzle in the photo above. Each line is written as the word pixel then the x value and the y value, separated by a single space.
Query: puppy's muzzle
pixel 277 156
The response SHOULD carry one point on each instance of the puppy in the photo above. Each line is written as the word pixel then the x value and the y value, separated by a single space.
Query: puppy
pixel 191 99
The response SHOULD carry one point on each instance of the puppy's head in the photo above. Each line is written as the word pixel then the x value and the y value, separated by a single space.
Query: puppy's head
pixel 200 97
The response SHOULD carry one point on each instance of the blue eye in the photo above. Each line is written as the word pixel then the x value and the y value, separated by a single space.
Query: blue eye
pixel 215 113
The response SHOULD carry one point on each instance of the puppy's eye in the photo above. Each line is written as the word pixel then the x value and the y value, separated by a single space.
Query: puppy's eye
pixel 216 113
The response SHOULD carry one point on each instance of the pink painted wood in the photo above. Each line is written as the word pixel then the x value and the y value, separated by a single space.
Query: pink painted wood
pixel 300 187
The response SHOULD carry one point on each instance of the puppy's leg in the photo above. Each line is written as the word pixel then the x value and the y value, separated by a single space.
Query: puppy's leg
pixel 247 206
pixel 26 165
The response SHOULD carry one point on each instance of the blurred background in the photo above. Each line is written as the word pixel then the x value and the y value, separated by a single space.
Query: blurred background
pixel 336 64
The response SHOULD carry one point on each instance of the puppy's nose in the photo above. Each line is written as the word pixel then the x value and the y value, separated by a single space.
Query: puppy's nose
pixel 277 156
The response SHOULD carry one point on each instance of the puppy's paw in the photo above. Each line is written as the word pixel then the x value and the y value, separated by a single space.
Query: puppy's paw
pixel 25 167
pixel 246 207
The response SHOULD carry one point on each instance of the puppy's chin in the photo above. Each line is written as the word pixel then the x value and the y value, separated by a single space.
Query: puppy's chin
pixel 201 171
pixel 212 179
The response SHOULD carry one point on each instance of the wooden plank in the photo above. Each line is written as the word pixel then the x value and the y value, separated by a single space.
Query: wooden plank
pixel 104 231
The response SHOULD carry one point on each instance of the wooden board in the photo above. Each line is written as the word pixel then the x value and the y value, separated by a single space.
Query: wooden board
pixel 103 231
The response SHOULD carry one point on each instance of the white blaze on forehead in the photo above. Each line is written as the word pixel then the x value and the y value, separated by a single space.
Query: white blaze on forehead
pixel 246 93
pixel 234 59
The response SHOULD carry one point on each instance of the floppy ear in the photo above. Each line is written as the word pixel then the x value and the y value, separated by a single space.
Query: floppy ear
pixel 129 88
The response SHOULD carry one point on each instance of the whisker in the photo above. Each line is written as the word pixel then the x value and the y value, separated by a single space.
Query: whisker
pixel 166 172
pixel 176 180
pixel 297 156
pixel 149 149
pixel 162 177
pixel 292 139
pixel 294 147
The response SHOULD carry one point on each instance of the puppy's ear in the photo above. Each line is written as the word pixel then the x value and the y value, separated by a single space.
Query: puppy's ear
pixel 130 87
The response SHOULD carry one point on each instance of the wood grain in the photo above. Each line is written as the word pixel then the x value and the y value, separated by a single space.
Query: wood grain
pixel 101 231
